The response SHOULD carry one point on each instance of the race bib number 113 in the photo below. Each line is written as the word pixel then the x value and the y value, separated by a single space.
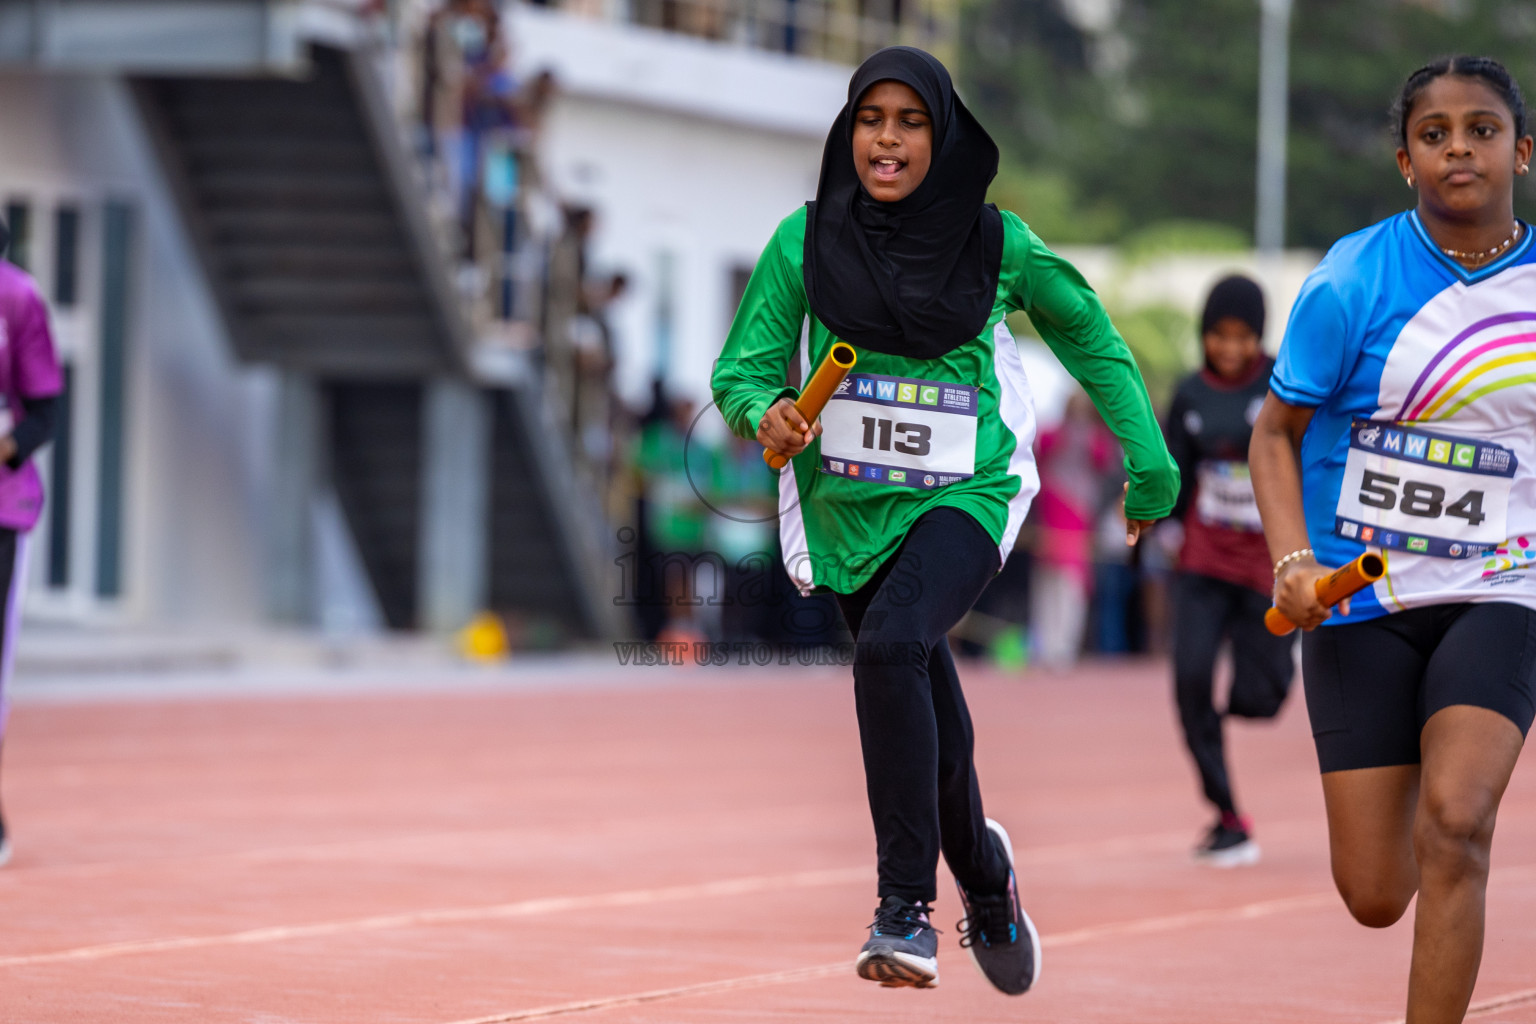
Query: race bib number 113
pixel 1429 494
pixel 899 430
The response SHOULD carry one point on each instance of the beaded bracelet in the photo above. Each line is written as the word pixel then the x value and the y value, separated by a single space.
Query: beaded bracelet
pixel 1292 557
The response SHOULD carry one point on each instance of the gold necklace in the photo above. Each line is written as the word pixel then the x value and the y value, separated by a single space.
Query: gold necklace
pixel 1481 256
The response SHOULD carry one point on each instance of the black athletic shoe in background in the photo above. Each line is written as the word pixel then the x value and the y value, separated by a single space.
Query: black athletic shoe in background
pixel 1229 843
pixel 903 947
pixel 1001 937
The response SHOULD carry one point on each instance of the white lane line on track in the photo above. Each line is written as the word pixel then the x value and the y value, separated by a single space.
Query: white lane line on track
pixel 498 911
pixel 1061 853
pixel 657 995
pixel 1081 936
pixel 1149 925
pixel 1523 872
pixel 369 849
pixel 1143 926
pixel 1504 1002
pixel 1484 1007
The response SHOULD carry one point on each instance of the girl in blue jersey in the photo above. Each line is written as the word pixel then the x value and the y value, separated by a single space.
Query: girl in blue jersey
pixel 1402 419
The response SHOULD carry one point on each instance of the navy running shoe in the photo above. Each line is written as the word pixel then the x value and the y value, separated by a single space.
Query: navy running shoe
pixel 903 947
pixel 1001 937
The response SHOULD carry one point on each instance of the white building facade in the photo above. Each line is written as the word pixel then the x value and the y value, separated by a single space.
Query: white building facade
pixel 691 152
pixel 155 484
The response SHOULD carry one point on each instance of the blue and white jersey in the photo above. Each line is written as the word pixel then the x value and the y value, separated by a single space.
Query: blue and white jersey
pixel 1423 443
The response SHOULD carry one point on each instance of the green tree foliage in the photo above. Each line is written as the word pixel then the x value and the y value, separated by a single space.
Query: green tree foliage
pixel 1348 63
pixel 1026 71
pixel 1155 120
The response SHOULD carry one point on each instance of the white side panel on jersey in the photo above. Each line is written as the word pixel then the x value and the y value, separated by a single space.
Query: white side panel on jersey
pixel 792 543
pixel 1016 405
pixel 805 351
pixel 797 555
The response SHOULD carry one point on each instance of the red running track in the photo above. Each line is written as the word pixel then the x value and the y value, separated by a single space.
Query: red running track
pixel 695 849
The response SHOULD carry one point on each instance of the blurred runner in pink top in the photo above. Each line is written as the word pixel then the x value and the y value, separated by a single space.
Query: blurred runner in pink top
pixel 30 383
pixel 1073 460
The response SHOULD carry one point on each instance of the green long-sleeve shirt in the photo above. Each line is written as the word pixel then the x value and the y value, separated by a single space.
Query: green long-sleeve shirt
pixel 840 519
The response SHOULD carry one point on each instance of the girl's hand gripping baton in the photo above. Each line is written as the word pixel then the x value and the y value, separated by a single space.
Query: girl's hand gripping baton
pixel 1333 588
pixel 816 394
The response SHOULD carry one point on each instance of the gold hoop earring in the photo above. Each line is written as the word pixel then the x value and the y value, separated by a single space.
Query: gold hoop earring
pixel 1410 181
pixel 1523 169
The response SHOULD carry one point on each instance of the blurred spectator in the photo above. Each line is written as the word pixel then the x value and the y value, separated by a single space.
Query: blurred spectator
pixel 705 18
pixel 1073 459
pixel 593 350
pixel 741 529
pixel 596 10
pixel 533 102
pixel 1113 606
pixel 565 300
pixel 467 93
pixel 683 578
pixel 520 214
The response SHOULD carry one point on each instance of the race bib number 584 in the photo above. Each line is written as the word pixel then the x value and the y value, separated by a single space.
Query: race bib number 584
pixel 1430 494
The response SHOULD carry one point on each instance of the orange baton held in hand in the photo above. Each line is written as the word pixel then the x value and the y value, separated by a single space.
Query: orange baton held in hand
pixel 817 393
pixel 1333 588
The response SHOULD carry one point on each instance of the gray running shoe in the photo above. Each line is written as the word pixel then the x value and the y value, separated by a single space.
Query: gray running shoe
pixel 903 947
pixel 1001 937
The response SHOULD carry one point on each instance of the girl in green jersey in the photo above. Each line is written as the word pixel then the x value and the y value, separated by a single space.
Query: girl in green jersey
pixel 905 497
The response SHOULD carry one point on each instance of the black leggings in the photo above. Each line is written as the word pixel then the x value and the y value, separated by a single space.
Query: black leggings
pixel 914 727
pixel 1206 610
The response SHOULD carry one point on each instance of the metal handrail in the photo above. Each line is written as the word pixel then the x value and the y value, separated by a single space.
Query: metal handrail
pixel 836 30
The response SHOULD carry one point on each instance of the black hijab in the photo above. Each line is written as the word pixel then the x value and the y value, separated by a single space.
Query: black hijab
pixel 916 277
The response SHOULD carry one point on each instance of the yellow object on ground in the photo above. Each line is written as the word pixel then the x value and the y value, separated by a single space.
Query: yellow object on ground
pixel 485 639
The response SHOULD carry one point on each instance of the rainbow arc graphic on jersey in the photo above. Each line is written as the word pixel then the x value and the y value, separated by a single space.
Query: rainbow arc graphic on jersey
pixel 1467 368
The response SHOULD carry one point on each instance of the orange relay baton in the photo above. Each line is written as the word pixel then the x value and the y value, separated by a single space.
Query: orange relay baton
pixel 816 394
pixel 1333 588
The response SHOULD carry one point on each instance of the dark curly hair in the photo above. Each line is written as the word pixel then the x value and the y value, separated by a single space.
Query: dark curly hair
pixel 1495 75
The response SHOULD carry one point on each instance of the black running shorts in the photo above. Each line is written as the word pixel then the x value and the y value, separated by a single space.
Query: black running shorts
pixel 1372 685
